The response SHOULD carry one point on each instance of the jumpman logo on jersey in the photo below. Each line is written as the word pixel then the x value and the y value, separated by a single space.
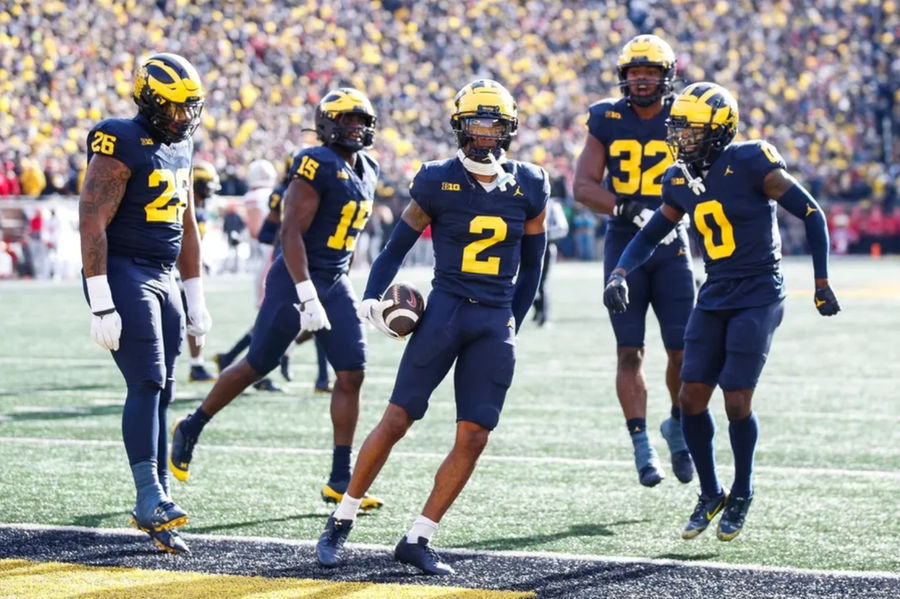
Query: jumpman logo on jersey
pixel 810 209
pixel 680 252
pixel 518 192
pixel 728 170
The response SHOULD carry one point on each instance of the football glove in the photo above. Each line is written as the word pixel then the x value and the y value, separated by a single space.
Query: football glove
pixel 638 214
pixel 106 324
pixel 199 320
pixel 312 312
pixel 826 302
pixel 371 310
pixel 615 296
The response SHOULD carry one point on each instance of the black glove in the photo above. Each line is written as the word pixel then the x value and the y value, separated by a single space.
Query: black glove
pixel 629 210
pixel 826 303
pixel 615 296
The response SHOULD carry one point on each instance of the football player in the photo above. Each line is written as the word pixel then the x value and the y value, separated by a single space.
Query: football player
pixel 136 221
pixel 206 184
pixel 626 144
pixel 487 217
pixel 326 205
pixel 730 190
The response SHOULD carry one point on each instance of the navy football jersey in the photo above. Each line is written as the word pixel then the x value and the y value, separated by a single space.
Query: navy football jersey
pixel 736 223
pixel 477 233
pixel 148 221
pixel 636 152
pixel 346 195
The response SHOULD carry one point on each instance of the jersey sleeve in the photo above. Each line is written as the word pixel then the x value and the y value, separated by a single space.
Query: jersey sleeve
pixel 315 171
pixel 541 196
pixel 762 158
pixel 670 178
pixel 597 122
pixel 117 140
pixel 419 191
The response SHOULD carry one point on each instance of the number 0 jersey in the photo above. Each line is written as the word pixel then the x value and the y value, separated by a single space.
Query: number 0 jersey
pixel 477 233
pixel 636 152
pixel 147 223
pixel 737 226
pixel 346 195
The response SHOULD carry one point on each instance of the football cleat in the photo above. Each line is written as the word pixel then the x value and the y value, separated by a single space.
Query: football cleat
pixel 331 542
pixel 423 557
pixel 222 361
pixel 199 373
pixel 167 540
pixel 322 387
pixel 706 510
pixel 650 470
pixel 682 464
pixel 733 517
pixel 369 502
pixel 165 516
pixel 285 366
pixel 181 451
pixel 266 384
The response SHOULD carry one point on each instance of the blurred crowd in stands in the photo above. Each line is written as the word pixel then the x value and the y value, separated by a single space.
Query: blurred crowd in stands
pixel 819 79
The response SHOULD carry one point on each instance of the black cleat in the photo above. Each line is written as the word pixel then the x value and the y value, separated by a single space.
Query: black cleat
pixel 266 384
pixel 181 451
pixel 166 540
pixel 331 542
pixel 222 361
pixel 165 516
pixel 322 387
pixel 199 373
pixel 421 556
pixel 732 521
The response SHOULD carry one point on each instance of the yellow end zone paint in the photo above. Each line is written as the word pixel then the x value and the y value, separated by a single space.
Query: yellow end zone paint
pixel 23 579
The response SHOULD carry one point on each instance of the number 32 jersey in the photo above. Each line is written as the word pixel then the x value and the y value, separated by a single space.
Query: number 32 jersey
pixel 345 194
pixel 737 226
pixel 636 152
pixel 148 222
pixel 477 233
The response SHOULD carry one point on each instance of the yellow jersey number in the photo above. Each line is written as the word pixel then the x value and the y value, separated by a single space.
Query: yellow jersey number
pixel 630 153
pixel 726 245
pixel 470 261
pixel 356 213
pixel 103 143
pixel 169 205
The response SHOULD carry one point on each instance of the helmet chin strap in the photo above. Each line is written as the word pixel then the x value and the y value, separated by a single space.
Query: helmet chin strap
pixel 694 183
pixel 480 168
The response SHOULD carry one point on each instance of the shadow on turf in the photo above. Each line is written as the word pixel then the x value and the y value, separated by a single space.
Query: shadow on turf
pixel 80 411
pixel 33 390
pixel 230 526
pixel 576 530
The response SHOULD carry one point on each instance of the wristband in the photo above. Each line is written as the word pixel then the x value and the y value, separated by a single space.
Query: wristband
pixel 99 295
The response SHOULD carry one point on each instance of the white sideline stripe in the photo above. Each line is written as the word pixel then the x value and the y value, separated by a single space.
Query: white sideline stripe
pixel 879 474
pixel 472 552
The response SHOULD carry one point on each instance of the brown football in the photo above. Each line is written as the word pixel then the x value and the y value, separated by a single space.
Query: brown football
pixel 409 305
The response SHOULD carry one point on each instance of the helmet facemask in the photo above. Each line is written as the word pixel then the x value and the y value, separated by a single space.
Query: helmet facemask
pixel 479 136
pixel 696 144
pixel 663 83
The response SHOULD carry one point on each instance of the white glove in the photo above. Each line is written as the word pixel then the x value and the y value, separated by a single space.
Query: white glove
pixel 199 320
pixel 372 311
pixel 670 237
pixel 106 324
pixel 312 312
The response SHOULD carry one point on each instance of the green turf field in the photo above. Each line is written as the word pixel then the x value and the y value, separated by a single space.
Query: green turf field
pixel 557 475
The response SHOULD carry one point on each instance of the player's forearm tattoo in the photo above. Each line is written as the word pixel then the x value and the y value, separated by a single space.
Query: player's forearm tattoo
pixel 777 183
pixel 104 187
pixel 415 217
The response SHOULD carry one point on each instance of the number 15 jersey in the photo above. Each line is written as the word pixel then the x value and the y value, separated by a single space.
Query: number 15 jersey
pixel 345 194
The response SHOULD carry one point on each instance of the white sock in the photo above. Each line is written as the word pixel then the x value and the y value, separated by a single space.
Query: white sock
pixel 347 508
pixel 198 361
pixel 422 527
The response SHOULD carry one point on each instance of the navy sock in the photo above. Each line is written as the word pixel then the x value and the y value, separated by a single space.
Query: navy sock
pixel 699 430
pixel 636 425
pixel 193 424
pixel 676 413
pixel 744 434
pixel 323 362
pixel 140 427
pixel 242 344
pixel 340 466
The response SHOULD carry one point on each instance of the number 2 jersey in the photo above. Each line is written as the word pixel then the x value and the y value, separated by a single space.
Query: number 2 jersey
pixel 636 153
pixel 148 222
pixel 477 233
pixel 736 223
pixel 346 195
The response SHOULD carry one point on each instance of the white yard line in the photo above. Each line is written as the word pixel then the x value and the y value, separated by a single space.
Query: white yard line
pixel 537 460
pixel 521 554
